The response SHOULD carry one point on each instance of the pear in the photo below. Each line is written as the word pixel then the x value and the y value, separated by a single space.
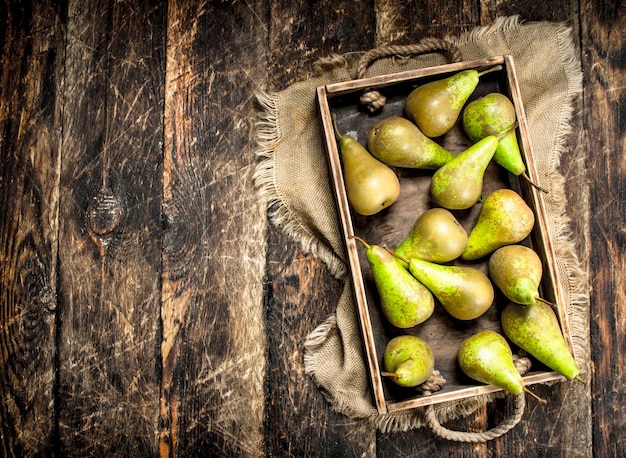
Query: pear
pixel 493 114
pixel 371 186
pixel 435 106
pixel 436 236
pixel 465 292
pixel 535 329
pixel 398 142
pixel 517 271
pixel 458 185
pixel 408 361
pixel 404 301
pixel 486 357
pixel 504 219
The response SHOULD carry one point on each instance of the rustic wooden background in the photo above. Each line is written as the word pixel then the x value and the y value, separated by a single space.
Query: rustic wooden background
pixel 146 306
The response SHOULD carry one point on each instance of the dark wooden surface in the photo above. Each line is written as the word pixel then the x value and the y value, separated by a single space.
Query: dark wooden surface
pixel 147 307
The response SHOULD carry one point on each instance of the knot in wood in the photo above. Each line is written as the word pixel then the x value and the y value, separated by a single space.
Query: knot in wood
pixel 105 213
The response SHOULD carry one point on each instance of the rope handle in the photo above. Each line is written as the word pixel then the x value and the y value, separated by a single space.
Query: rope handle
pixel 462 436
pixel 373 99
pixel 436 382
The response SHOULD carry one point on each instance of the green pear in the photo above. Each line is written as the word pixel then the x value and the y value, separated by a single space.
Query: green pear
pixel 435 106
pixel 504 219
pixel 465 292
pixel 486 357
pixel 535 329
pixel 458 185
pixel 493 114
pixel 371 186
pixel 436 236
pixel 404 301
pixel 408 361
pixel 398 142
pixel 517 271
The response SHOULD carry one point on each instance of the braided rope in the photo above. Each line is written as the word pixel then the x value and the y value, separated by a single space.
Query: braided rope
pixel 374 100
pixel 462 436
pixel 424 46
pixel 523 365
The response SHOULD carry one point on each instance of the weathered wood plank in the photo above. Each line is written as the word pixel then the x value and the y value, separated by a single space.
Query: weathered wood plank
pixel 32 40
pixel 603 24
pixel 214 343
pixel 109 242
pixel 301 293
pixel 302 32
pixel 81 121
pixel 402 23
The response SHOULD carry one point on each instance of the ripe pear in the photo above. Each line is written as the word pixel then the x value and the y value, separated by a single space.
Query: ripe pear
pixel 458 185
pixel 404 301
pixel 398 142
pixel 517 271
pixel 466 293
pixel 436 236
pixel 408 360
pixel 493 114
pixel 504 219
pixel 535 329
pixel 486 357
pixel 371 186
pixel 435 106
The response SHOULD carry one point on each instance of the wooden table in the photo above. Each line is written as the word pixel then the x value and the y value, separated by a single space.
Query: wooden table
pixel 147 306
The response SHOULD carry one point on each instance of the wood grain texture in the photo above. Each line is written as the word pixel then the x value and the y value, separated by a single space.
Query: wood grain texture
pixel 603 25
pixel 214 242
pixel 300 292
pixel 402 23
pixel 146 306
pixel 31 78
pixel 109 240
pixel 301 32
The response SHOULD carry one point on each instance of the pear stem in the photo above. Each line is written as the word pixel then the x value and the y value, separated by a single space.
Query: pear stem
pixel 401 258
pixel 490 70
pixel 545 301
pixel 581 380
pixel 540 399
pixel 527 178
pixel 356 237
pixel 336 128
pixel 389 374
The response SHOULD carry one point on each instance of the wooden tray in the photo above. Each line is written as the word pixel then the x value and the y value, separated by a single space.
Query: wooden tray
pixel 442 332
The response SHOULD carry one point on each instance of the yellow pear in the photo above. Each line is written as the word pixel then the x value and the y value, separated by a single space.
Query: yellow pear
pixel 371 186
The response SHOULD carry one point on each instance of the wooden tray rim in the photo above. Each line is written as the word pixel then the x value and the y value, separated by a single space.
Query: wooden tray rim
pixel 329 91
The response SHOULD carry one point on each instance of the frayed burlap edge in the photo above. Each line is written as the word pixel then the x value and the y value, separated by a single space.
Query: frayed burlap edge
pixel 572 271
pixel 268 137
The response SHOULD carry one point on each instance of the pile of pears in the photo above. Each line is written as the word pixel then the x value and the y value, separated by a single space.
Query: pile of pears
pixel 423 270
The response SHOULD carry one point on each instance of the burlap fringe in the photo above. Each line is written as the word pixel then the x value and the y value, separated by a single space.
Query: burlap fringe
pixel 268 137
pixel 574 269
pixel 500 24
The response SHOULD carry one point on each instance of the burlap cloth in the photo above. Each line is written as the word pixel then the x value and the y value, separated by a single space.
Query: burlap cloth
pixel 292 177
